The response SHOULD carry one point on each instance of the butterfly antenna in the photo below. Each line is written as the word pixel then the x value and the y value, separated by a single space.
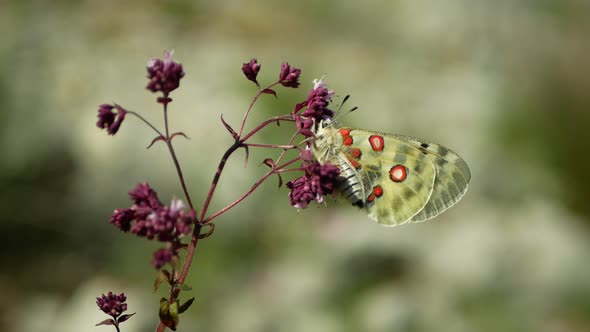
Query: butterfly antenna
pixel 342 103
pixel 343 114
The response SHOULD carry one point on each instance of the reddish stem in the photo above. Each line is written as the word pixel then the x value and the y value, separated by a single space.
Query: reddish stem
pixel 285 151
pixel 258 94
pixel 272 146
pixel 239 143
pixel 298 169
pixel 146 122
pixel 227 154
pixel 287 117
pixel 254 186
pixel 216 177
pixel 196 232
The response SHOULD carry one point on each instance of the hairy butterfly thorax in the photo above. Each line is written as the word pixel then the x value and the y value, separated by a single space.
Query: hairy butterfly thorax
pixel 397 178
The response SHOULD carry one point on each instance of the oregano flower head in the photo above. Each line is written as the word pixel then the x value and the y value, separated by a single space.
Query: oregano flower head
pixel 164 74
pixel 251 69
pixel 113 305
pixel 149 218
pixel 109 120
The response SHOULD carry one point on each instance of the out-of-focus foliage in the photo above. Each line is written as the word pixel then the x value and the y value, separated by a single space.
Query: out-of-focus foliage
pixel 503 83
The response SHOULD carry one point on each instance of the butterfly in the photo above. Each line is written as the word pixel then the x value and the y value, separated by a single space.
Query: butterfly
pixel 397 179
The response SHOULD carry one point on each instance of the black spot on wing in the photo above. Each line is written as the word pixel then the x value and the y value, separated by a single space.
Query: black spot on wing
pixel 408 193
pixel 400 158
pixel 396 204
pixel 418 186
pixel 404 149
pixel 441 162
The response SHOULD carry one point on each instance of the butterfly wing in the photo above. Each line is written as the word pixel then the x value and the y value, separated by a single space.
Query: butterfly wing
pixel 401 179
pixel 452 177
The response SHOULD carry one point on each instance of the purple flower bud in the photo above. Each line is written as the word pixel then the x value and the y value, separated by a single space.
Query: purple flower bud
pixel 109 120
pixel 300 194
pixel 289 76
pixel 304 125
pixel 112 304
pixel 106 116
pixel 317 182
pixel 164 75
pixel 317 102
pixel 149 218
pixel 122 219
pixel 306 155
pixel 251 70
pixel 161 257
pixel 144 195
pixel 326 176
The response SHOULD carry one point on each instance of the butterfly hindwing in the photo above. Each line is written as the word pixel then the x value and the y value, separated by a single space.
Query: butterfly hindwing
pixel 452 177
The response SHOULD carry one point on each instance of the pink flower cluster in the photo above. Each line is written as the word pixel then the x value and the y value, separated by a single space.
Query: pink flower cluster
pixel 149 218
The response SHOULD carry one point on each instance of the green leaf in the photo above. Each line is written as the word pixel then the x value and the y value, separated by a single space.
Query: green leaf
pixel 184 287
pixel 185 305
pixel 174 311
pixel 166 316
pixel 161 278
pixel 164 306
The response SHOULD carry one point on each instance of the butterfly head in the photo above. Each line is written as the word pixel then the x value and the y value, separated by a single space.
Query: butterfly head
pixel 325 143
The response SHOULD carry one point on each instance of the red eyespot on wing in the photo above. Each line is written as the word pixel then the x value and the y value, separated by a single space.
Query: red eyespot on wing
pixel 376 142
pixel 354 163
pixel 355 152
pixel 378 191
pixel 347 140
pixel 345 132
pixel 398 173
pixel 371 198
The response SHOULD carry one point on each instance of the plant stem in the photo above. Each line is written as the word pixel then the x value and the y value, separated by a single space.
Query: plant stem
pixel 180 175
pixel 254 186
pixel 146 122
pixel 216 177
pixel 239 143
pixel 196 232
pixel 287 117
pixel 200 221
pixel 166 118
pixel 285 151
pixel 272 146
pixel 258 94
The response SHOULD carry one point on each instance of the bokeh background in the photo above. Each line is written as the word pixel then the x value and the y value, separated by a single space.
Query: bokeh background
pixel 506 84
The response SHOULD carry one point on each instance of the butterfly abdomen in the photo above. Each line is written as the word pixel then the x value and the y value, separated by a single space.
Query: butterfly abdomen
pixel 350 185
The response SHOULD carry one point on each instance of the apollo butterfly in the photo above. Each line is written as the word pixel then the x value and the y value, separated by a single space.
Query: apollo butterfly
pixel 397 179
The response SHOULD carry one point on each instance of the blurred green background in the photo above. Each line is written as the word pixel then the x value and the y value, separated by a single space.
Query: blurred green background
pixel 506 84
